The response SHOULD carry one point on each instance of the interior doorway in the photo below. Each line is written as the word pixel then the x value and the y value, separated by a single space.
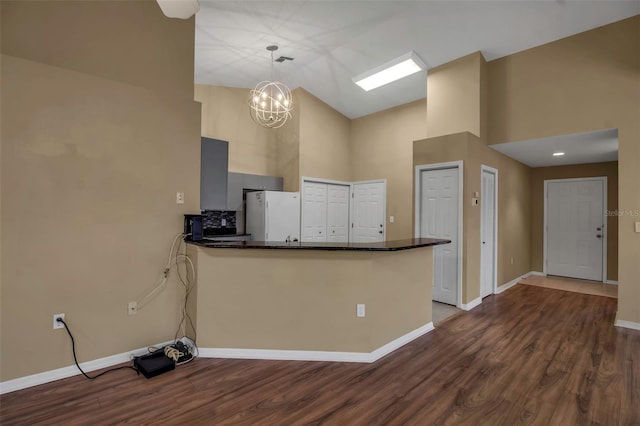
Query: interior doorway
pixel 488 231
pixel 368 207
pixel 438 214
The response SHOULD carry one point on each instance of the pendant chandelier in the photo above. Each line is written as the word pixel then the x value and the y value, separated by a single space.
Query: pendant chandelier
pixel 270 103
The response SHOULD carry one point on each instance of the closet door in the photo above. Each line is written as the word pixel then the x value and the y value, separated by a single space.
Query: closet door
pixel 314 212
pixel 337 213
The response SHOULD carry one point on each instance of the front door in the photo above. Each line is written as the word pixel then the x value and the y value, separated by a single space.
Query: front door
pixel 368 212
pixel 575 228
pixel 439 219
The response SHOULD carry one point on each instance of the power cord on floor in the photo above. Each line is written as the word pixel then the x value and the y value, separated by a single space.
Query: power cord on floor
pixel 73 347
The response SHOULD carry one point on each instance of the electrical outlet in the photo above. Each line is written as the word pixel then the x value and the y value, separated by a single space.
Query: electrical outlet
pixel 132 308
pixel 179 197
pixel 360 310
pixel 57 324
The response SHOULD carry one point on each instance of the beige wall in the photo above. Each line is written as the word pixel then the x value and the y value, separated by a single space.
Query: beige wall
pixel 98 134
pixel 540 174
pixel 454 97
pixel 115 52
pixel 382 148
pixel 513 205
pixel 581 83
pixel 225 116
pixel 306 300
pixel 324 139
pixel 288 148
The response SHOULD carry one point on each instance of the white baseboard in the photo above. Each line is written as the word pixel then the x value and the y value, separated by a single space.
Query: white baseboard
pixel 513 282
pixel 612 282
pixel 627 324
pixel 72 370
pixel 292 355
pixel 540 274
pixel 469 306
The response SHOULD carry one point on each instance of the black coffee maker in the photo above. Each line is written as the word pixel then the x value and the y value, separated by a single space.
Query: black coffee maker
pixel 193 227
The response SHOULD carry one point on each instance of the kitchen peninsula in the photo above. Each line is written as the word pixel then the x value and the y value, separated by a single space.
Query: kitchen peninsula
pixel 272 300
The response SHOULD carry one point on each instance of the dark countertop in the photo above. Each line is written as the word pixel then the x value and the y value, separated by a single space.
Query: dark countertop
pixel 394 245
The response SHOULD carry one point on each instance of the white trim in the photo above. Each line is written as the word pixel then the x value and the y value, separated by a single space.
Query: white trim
pixel 417 197
pixel 469 306
pixel 513 282
pixel 627 324
pixel 72 370
pixel 494 285
pixel 292 355
pixel 611 282
pixel 605 230
pixel 536 273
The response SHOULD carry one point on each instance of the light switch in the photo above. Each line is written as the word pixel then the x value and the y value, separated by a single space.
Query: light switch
pixel 637 226
pixel 476 194
pixel 391 218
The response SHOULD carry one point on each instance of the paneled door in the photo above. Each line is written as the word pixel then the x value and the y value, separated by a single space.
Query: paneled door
pixel 439 219
pixel 314 212
pixel 575 231
pixel 368 212
pixel 338 213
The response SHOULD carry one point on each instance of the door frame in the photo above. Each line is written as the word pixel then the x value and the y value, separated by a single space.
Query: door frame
pixel 605 233
pixel 418 201
pixel 494 285
pixel 384 205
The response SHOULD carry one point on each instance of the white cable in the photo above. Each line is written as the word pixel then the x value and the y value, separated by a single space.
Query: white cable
pixel 163 280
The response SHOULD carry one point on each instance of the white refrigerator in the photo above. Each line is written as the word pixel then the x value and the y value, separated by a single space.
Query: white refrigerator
pixel 273 216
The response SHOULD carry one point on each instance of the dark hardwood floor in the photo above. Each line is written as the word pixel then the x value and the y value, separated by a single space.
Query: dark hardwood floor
pixel 528 356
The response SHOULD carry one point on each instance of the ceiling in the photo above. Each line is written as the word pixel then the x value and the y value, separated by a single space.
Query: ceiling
pixel 579 148
pixel 333 41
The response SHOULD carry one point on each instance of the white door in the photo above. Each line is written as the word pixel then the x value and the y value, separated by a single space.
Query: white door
pixel 439 219
pixel 337 213
pixel 314 212
pixel 575 228
pixel 368 212
pixel 487 233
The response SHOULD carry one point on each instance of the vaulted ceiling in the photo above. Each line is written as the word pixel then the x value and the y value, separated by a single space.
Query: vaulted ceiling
pixel 333 41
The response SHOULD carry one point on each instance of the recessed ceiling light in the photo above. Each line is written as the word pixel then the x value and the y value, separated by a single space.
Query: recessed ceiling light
pixel 396 69
pixel 558 154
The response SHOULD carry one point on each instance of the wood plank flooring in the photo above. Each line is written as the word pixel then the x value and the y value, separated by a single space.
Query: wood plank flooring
pixel 531 355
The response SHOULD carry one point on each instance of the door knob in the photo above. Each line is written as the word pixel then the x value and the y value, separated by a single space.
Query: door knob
pixel 380 232
pixel 599 236
pixel 483 242
pixel 598 229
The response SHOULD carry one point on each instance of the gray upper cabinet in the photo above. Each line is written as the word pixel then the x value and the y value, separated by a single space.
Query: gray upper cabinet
pixel 214 166
pixel 234 191
pixel 252 182
pixel 238 182
pixel 272 183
